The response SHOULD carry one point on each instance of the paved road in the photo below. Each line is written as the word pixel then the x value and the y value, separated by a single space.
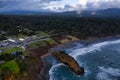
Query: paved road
pixel 27 42
pixel 31 41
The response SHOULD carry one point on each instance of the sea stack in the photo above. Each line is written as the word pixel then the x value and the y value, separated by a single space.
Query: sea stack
pixel 69 61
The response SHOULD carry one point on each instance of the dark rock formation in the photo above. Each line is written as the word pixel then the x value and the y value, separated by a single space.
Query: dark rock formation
pixel 69 61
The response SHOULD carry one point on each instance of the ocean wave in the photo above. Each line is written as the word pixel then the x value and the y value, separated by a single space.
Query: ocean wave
pixel 104 74
pixel 51 72
pixel 108 74
pixel 92 48
pixel 111 71
pixel 117 49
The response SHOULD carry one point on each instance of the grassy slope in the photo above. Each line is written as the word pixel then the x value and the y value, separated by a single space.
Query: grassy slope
pixel 41 33
pixel 50 41
pixel 36 44
pixel 11 50
pixel 11 66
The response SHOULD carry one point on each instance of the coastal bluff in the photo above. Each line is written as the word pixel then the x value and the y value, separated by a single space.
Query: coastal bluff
pixel 69 61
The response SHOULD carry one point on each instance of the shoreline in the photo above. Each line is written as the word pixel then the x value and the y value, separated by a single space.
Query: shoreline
pixel 85 42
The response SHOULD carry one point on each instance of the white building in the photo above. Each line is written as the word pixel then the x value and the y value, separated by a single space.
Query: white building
pixel 21 39
pixel 11 40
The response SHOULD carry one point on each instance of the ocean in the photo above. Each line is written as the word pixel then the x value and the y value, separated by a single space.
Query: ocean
pixel 100 60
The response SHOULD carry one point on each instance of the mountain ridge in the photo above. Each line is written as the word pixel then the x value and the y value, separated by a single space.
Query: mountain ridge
pixel 110 12
pixel 26 12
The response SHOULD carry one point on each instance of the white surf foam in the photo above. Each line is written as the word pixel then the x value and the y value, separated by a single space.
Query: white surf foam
pixel 106 73
pixel 51 72
pixel 103 76
pixel 92 48
pixel 100 76
pixel 111 71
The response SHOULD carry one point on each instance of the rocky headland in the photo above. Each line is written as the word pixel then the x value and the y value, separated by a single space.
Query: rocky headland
pixel 69 61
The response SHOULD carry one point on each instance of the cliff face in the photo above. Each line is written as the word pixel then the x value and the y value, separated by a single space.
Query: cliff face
pixel 69 61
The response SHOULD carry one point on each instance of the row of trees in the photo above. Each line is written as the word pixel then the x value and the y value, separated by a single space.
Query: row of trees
pixel 87 27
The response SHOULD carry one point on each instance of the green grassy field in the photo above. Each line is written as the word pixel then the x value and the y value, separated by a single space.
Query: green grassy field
pixel 36 44
pixel 41 33
pixel 50 41
pixel 20 36
pixel 11 66
pixel 11 50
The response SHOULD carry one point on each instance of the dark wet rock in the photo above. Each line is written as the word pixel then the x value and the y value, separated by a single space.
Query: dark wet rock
pixel 69 61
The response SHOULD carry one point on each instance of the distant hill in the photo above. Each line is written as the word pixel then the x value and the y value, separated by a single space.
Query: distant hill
pixel 111 12
pixel 26 12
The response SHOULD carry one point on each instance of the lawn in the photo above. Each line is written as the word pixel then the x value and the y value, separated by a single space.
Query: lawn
pixel 36 44
pixel 11 50
pixel 11 66
pixel 41 33
pixel 20 36
pixel 50 41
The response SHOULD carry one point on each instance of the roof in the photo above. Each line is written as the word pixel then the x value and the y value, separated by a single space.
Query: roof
pixel 21 39
pixel 11 40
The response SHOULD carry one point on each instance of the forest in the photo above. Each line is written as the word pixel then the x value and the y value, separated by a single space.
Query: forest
pixel 80 26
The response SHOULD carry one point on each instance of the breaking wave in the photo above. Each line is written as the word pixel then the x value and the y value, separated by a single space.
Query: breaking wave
pixel 108 74
pixel 92 48
pixel 103 73
pixel 51 72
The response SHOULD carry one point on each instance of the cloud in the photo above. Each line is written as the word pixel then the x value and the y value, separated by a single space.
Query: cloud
pixel 62 5
pixel 58 5
pixel 100 4
pixel 79 5
pixel 36 5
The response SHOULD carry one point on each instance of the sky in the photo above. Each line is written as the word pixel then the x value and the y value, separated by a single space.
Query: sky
pixel 57 5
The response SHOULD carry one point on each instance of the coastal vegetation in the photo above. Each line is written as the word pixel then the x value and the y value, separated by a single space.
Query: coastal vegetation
pixel 50 41
pixel 14 61
pixel 82 27
pixel 11 50
pixel 41 33
pixel 42 43
pixel 36 44
pixel 10 66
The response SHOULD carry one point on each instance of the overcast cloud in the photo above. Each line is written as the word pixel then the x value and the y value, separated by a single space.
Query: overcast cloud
pixel 57 5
